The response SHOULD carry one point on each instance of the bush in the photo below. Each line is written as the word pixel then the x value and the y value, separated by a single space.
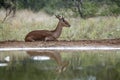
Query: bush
pixel 90 9
pixel 115 10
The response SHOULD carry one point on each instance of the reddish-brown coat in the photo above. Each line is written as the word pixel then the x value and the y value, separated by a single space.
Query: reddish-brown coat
pixel 46 35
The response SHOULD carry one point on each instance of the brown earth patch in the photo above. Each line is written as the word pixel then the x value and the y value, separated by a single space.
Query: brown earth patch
pixel 103 42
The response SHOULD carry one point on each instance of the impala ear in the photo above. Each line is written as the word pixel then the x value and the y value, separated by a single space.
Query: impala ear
pixel 62 17
pixel 58 16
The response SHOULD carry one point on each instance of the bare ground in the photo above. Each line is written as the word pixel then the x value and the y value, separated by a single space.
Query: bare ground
pixel 103 42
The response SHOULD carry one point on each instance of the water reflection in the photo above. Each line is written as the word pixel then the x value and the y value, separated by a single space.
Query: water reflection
pixel 38 55
pixel 82 65
pixel 5 61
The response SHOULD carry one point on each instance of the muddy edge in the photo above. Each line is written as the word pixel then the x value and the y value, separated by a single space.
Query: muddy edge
pixel 103 42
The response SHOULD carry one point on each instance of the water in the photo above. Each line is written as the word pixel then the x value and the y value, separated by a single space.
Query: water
pixel 60 65
pixel 65 48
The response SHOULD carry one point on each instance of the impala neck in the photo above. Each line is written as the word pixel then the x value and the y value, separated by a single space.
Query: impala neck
pixel 57 31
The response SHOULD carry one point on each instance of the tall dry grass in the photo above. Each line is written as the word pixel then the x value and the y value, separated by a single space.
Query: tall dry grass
pixel 92 28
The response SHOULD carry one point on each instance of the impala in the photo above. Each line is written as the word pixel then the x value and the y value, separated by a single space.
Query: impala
pixel 46 35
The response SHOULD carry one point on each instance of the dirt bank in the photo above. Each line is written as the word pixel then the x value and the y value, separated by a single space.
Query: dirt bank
pixel 103 42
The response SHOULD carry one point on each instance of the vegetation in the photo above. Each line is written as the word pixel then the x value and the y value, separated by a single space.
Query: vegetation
pixel 86 8
pixel 99 19
pixel 92 28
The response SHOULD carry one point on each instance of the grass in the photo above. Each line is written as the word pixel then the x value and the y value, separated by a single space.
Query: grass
pixel 16 28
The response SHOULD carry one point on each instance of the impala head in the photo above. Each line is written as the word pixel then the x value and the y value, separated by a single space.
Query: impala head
pixel 62 21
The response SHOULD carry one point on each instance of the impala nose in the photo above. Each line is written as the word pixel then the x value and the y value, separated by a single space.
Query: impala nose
pixel 69 25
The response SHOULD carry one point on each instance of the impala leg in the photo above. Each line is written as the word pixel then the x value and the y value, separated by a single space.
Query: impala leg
pixel 50 38
pixel 29 39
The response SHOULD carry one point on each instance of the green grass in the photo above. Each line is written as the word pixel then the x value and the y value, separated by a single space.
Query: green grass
pixel 91 28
